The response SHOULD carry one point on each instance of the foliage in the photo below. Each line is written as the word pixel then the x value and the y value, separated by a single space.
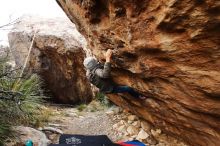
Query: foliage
pixel 5 132
pixel 103 99
pixel 20 98
pixel 81 107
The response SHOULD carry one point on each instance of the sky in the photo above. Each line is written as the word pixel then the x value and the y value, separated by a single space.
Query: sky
pixel 12 9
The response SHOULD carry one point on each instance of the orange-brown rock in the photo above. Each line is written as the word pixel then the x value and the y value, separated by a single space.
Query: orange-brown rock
pixel 169 50
pixel 57 55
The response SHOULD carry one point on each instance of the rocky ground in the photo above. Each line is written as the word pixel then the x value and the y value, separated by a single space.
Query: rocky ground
pixel 96 119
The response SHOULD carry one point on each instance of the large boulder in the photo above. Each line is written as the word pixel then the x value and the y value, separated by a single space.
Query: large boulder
pixel 23 134
pixel 57 55
pixel 169 50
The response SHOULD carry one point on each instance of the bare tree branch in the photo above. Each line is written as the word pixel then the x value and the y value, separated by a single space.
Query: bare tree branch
pixel 9 73
pixel 11 92
pixel 10 23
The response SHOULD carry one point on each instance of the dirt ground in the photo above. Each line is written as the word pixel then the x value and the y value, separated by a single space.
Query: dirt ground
pixel 95 119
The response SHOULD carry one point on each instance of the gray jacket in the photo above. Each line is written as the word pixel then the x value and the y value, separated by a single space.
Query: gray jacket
pixel 101 77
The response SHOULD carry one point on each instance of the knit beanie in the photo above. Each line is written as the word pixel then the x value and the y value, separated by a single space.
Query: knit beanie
pixel 90 63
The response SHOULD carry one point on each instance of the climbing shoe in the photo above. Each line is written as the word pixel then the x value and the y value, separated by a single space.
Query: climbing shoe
pixel 142 97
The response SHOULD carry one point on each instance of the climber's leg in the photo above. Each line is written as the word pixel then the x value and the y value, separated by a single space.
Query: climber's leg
pixel 123 89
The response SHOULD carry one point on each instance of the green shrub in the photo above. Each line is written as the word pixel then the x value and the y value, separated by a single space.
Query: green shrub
pixel 81 107
pixel 20 99
pixel 103 99
pixel 5 132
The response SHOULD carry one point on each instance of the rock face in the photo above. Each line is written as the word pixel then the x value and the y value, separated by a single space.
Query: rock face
pixel 169 50
pixel 57 55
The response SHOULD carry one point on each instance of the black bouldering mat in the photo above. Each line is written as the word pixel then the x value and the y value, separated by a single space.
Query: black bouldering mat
pixel 85 140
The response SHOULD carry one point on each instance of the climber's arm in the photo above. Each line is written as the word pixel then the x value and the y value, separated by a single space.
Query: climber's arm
pixel 105 73
pixel 87 73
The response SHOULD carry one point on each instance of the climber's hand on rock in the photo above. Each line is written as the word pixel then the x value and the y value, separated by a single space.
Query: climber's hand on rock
pixel 108 55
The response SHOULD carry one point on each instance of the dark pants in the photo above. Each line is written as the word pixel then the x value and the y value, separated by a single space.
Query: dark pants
pixel 123 89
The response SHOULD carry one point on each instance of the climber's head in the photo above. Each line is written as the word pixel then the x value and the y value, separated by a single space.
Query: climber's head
pixel 90 63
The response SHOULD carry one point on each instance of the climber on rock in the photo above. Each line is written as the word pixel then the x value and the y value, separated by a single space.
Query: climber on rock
pixel 99 76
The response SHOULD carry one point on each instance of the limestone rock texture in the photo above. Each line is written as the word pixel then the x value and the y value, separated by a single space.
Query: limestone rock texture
pixel 57 55
pixel 168 50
